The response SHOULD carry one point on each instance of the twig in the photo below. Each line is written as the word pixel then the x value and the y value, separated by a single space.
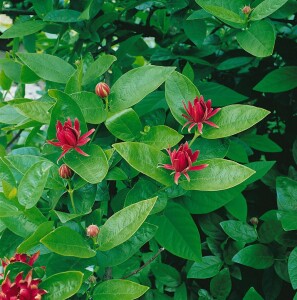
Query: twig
pixel 14 138
pixel 17 12
pixel 143 266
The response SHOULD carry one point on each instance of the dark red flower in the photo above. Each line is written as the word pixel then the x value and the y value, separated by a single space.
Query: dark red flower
pixel 182 161
pixel 21 257
pixel 198 113
pixel 68 137
pixel 21 289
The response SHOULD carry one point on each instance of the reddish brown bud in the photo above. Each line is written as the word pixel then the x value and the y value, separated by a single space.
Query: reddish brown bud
pixel 92 230
pixel 65 172
pixel 92 279
pixel 254 220
pixel 102 90
pixel 246 9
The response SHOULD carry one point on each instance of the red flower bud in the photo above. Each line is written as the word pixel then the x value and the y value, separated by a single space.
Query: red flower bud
pixel 92 230
pixel 102 90
pixel 246 10
pixel 65 172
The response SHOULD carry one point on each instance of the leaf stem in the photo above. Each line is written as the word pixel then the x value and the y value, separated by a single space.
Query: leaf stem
pixel 194 138
pixel 70 192
pixel 95 133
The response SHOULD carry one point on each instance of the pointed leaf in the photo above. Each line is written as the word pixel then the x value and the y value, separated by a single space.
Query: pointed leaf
pixel 266 8
pixel 207 268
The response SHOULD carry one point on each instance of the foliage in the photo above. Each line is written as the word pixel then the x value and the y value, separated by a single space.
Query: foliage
pixel 229 232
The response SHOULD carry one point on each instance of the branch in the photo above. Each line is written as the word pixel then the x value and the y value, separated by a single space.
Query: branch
pixel 14 12
pixel 14 138
pixel 143 266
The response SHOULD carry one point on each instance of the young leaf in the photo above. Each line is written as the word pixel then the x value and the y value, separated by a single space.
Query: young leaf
pixel 207 268
pixel 124 223
pixel 252 294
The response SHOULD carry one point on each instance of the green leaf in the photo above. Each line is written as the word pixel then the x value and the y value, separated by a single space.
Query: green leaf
pixel 292 267
pixel 233 119
pixel 48 67
pixel 21 29
pixel 62 285
pixel 74 83
pixel 279 80
pixel 234 62
pixel 124 223
pixel 237 151
pixel 42 8
pixel 261 143
pixel 239 231
pixel 261 168
pixel 64 108
pixel 207 268
pixel 98 68
pixel 33 183
pixel 123 252
pixel 220 285
pixel 6 174
pixel 115 289
pixel 92 168
pixel 255 256
pixel 161 137
pixel 214 91
pixel 35 110
pixel 125 125
pixel 195 31
pixel 220 10
pixel 177 232
pixel 286 189
pixel 166 275
pixel 8 210
pixel 238 207
pixel 145 159
pixel 179 88
pixel 91 107
pixel 252 294
pixel 62 16
pixel 288 219
pixel 133 86
pixel 9 115
pixel 258 39
pixel 266 8
pixel 67 242
pixel 205 202
pixel 220 174
pixel 34 239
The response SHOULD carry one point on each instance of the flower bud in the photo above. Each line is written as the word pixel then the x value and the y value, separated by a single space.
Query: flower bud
pixel 246 10
pixel 65 172
pixel 254 221
pixel 102 90
pixel 92 279
pixel 92 230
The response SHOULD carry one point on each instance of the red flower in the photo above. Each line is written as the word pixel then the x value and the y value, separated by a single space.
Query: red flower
pixel 182 161
pixel 21 257
pixel 199 113
pixel 69 137
pixel 21 289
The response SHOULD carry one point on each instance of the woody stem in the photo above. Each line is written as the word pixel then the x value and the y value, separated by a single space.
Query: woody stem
pixel 70 192
pixel 194 138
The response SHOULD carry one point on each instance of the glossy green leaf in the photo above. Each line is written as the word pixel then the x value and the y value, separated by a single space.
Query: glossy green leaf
pixel 92 168
pixel 161 137
pixel 205 202
pixel 179 88
pixel 237 151
pixel 48 67
pixel 33 183
pixel 220 285
pixel 124 125
pixel 74 83
pixel 145 159
pixel 6 174
pixel 252 294
pixel 239 231
pixel 178 235
pixel 195 31
pixel 279 80
pixel 237 207
pixel 220 174
pixel 255 256
pixel 42 8
pixel 123 252
pixel 67 242
pixel 8 210
pixel 115 289
pixel 288 220
pixel 286 189
pixel 135 85
pixel 97 68
pixel 207 268
pixel 91 107
pixel 261 168
pixel 220 94
pixel 258 39
pixel 233 119
pixel 34 239
pixel 62 16
pixel 266 8
pixel 292 267
pixel 62 285
pixel 124 223
pixel 9 115
pixel 234 62
pixel 261 143
pixel 21 29
pixel 166 275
